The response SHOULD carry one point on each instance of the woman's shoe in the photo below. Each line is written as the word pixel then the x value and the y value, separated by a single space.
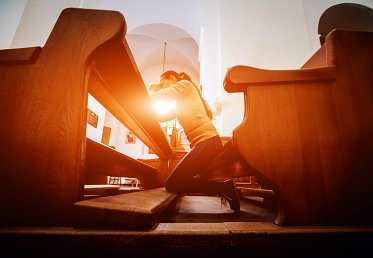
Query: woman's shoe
pixel 230 194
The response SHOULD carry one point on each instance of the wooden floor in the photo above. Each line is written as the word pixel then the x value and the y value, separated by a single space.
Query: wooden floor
pixel 209 209
pixel 196 226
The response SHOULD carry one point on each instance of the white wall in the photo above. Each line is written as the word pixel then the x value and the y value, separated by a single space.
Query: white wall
pixel 118 140
pixel 38 20
pixel 266 34
pixel 95 133
pixel 314 9
pixel 39 17
pixel 10 15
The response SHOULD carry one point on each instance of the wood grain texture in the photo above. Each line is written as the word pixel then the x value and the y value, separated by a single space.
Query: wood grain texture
pixel 19 56
pixel 313 139
pixel 240 77
pixel 43 114
pixel 190 239
pixel 43 120
pixel 103 160
pixel 131 210
pixel 117 84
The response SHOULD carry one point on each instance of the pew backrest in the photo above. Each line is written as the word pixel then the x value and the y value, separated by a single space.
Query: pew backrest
pixel 43 115
pixel 309 131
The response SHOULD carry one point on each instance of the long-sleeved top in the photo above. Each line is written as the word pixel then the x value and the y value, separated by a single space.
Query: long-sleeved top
pixel 190 111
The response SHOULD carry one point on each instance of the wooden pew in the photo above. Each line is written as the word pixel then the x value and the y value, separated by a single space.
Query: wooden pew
pixel 103 160
pixel 43 98
pixel 310 132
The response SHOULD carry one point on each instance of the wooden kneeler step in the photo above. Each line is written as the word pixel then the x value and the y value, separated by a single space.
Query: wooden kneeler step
pixel 138 210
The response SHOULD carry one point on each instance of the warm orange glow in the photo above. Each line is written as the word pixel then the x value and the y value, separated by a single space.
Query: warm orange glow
pixel 163 107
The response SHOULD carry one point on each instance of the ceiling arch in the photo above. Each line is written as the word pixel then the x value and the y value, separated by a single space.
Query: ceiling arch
pixel 151 23
pixel 161 31
pixel 184 14
pixel 147 45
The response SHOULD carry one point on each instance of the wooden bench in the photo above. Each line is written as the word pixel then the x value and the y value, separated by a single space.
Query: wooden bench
pixel 310 132
pixel 43 98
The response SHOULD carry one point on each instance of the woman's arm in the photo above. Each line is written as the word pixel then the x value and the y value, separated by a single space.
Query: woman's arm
pixel 171 93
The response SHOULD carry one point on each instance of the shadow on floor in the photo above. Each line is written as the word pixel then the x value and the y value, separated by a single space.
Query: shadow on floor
pixel 210 209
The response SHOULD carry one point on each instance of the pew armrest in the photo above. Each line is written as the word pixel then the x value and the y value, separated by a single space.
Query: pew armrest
pixel 19 56
pixel 238 78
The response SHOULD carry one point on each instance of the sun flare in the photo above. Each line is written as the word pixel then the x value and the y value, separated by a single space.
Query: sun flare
pixel 164 107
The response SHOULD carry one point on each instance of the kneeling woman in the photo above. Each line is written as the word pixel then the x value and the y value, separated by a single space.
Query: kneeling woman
pixel 194 115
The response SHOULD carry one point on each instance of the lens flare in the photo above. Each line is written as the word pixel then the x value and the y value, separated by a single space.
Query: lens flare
pixel 163 107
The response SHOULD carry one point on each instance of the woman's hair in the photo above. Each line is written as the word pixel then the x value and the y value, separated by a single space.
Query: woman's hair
pixel 167 75
pixel 184 76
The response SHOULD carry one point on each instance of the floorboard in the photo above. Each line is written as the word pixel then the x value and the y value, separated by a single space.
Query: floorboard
pixel 195 226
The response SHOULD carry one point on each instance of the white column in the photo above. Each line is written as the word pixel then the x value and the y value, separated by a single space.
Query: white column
pixel 210 75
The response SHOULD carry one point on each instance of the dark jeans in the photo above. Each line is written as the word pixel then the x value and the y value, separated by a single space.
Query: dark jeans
pixel 182 180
